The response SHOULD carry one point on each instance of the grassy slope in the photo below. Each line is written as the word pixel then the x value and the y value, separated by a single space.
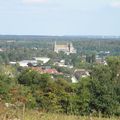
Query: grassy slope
pixel 62 117
pixel 35 115
pixel 42 116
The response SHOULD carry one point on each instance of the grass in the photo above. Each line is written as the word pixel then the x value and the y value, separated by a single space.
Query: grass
pixel 20 114
pixel 35 115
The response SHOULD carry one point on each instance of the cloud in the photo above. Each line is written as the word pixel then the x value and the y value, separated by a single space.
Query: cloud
pixel 34 1
pixel 115 4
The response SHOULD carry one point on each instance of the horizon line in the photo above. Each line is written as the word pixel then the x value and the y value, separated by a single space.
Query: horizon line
pixel 59 35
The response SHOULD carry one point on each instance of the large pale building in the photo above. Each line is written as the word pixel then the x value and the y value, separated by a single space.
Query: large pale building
pixel 66 48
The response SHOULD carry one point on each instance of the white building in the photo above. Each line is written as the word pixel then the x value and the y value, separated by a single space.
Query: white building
pixel 43 59
pixel 13 63
pixel 24 63
pixel 1 50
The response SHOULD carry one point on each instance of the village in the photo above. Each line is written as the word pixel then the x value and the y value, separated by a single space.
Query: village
pixel 59 66
pixel 59 59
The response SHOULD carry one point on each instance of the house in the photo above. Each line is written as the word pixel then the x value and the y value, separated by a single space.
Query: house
pixel 51 71
pixel 38 69
pixel 47 71
pixel 78 74
pixel 101 61
pixel 61 63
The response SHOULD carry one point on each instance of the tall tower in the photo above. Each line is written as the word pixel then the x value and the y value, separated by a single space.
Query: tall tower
pixel 71 47
pixel 55 47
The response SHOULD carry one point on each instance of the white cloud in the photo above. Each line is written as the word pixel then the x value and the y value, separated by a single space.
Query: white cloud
pixel 34 1
pixel 116 4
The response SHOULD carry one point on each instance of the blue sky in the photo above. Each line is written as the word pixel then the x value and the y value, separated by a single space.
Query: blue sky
pixel 60 17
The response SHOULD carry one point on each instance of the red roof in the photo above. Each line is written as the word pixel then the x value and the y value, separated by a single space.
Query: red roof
pixel 51 71
pixel 48 71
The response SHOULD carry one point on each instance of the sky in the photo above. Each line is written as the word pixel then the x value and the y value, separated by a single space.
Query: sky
pixel 60 17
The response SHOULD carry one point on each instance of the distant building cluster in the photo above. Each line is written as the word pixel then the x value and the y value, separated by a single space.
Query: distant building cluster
pixel 33 62
pixel 66 48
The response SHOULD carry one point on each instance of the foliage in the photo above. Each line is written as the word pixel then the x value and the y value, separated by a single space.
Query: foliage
pixel 96 94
